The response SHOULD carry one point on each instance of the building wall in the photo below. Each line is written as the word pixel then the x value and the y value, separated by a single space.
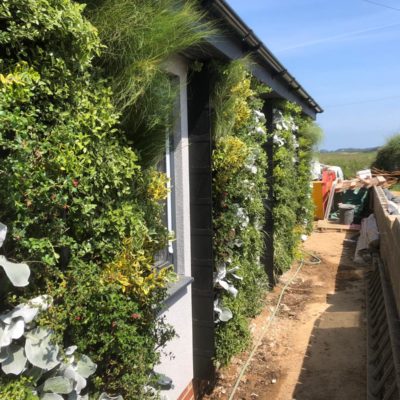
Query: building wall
pixel 178 313
pixel 389 234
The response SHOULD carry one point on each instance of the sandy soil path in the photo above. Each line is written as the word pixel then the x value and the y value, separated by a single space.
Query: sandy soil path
pixel 316 347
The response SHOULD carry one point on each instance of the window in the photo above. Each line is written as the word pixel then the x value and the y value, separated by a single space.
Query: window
pixel 166 256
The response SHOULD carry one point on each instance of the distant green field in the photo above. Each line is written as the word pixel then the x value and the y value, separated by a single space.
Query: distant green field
pixel 349 162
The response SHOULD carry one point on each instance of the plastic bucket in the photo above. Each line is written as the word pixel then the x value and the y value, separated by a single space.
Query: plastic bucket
pixel 346 213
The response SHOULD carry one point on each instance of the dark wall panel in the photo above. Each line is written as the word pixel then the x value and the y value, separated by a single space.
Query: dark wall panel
pixel 268 258
pixel 200 143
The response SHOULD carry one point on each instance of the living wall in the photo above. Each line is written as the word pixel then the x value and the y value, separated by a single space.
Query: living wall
pixel 294 139
pixel 79 207
pixel 239 188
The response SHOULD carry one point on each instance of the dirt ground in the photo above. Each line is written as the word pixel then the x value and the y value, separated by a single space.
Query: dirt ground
pixel 315 348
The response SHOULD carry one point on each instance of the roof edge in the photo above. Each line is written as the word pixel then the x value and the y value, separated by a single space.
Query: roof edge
pixel 230 16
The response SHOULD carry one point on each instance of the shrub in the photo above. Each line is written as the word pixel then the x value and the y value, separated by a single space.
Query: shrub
pixel 388 157
pixel 74 196
pixel 239 188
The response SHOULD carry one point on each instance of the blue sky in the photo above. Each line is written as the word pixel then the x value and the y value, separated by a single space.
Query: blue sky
pixel 345 53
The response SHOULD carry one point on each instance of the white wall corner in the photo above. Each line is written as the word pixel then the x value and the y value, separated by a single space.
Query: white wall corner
pixel 178 66
pixel 179 314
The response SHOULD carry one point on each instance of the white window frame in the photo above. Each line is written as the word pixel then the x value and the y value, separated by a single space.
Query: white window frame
pixel 179 200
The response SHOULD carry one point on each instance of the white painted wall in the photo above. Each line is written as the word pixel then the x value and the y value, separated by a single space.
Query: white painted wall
pixel 179 312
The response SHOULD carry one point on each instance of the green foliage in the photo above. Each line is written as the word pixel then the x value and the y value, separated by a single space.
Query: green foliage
pixel 16 389
pixel 311 132
pixel 29 349
pixel 120 332
pixel 232 337
pixel 239 188
pixel 230 97
pixel 139 37
pixel 284 210
pixel 309 136
pixel 133 271
pixel 295 137
pixel 349 162
pixel 71 192
pixel 388 156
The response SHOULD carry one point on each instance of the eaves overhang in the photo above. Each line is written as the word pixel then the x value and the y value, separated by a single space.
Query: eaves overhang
pixel 239 40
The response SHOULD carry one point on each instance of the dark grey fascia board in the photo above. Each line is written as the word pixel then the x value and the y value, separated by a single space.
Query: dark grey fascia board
pixel 229 49
pixel 268 69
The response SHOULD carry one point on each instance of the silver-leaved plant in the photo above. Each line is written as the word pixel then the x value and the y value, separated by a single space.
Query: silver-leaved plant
pixel 28 349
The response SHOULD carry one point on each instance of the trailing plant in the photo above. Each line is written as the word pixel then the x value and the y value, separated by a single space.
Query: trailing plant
pixel 75 199
pixel 239 188
pixel 140 36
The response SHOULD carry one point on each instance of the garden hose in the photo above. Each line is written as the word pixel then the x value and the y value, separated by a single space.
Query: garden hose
pixel 271 318
pixel 314 257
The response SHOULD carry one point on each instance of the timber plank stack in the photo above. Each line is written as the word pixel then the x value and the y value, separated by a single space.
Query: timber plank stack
pixel 391 177
pixel 358 183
